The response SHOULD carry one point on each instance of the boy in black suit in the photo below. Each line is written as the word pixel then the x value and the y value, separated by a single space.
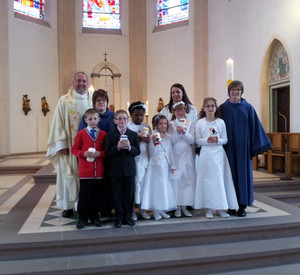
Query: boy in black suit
pixel 121 167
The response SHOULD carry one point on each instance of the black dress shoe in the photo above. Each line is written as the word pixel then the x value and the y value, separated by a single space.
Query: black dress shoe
pixel 231 212
pixel 242 212
pixel 118 223
pixel 67 213
pixel 96 221
pixel 129 222
pixel 81 223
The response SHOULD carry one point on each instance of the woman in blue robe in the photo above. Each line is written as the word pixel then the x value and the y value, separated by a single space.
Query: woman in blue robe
pixel 246 139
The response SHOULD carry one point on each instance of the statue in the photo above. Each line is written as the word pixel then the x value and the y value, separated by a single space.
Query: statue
pixel 160 104
pixel 45 106
pixel 26 104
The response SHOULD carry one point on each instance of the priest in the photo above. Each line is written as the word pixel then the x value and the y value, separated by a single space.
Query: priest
pixel 64 127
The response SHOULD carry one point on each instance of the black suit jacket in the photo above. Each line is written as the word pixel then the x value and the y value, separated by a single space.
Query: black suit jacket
pixel 121 163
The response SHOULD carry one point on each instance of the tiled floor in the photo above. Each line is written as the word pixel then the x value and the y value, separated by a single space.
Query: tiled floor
pixel 46 217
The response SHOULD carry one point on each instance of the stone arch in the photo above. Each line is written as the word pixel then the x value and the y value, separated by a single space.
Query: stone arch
pixel 115 75
pixel 266 104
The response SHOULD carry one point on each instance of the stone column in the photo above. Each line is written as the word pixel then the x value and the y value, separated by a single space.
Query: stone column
pixel 137 50
pixel 201 67
pixel 4 80
pixel 66 31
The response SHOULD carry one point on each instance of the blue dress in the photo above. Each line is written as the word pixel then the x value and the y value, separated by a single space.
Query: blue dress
pixel 246 139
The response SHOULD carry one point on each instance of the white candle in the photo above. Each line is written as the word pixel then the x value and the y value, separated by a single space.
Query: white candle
pixel 147 108
pixel 91 89
pixel 230 76
pixel 127 105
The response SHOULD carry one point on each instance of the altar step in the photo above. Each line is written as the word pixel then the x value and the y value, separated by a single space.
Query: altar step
pixel 203 251
pixel 285 191
pixel 20 169
pixel 46 174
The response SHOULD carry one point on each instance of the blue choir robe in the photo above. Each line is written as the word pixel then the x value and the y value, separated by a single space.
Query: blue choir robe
pixel 246 139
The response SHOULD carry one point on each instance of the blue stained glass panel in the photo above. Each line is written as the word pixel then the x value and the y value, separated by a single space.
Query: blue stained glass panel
pixel 101 14
pixel 32 8
pixel 171 11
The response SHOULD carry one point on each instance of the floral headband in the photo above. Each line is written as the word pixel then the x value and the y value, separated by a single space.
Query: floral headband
pixel 139 105
pixel 177 104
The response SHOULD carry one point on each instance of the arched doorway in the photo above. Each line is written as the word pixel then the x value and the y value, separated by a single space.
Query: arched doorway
pixel 276 88
pixel 106 76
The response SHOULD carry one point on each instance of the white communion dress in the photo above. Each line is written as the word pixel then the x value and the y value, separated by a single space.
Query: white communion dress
pixel 183 149
pixel 214 184
pixel 141 161
pixel 158 193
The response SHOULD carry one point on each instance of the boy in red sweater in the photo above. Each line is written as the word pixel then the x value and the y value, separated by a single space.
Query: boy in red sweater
pixel 89 148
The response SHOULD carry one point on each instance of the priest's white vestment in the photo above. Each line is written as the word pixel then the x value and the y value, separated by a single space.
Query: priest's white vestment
pixel 66 119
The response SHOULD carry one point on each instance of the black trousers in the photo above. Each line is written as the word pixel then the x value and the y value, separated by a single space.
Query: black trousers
pixel 89 196
pixel 123 189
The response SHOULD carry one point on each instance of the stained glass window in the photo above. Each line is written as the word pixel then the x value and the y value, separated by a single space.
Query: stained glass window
pixel 171 11
pixel 101 14
pixel 32 8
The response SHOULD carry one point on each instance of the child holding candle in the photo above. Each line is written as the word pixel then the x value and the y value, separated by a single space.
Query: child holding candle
pixel 158 193
pixel 183 140
pixel 214 184
pixel 89 148
pixel 122 146
pixel 137 113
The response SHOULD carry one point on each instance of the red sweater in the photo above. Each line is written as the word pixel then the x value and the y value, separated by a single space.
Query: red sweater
pixel 83 141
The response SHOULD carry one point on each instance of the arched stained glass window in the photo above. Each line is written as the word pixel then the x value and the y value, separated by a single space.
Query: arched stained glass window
pixel 101 14
pixel 171 11
pixel 32 8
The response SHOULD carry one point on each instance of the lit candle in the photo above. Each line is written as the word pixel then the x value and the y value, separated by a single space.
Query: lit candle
pixel 147 108
pixel 127 105
pixel 230 76
pixel 91 89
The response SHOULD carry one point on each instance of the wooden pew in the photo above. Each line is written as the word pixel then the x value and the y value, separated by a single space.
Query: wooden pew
pixel 276 156
pixel 294 153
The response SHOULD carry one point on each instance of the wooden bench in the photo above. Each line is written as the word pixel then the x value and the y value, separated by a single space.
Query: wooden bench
pixel 294 156
pixel 277 156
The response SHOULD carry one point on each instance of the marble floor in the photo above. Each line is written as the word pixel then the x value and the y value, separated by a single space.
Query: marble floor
pixel 43 216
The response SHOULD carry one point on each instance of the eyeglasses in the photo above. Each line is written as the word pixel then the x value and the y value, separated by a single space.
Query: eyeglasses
pixel 235 89
pixel 208 106
pixel 122 118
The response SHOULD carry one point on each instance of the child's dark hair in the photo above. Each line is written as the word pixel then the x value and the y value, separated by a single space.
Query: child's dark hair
pixel 138 105
pixel 99 93
pixel 90 111
pixel 205 100
pixel 156 119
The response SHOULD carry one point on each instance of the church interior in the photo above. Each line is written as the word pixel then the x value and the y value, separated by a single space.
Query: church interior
pixel 255 41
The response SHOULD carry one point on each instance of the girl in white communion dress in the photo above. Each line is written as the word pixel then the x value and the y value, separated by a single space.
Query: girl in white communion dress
pixel 214 184
pixel 183 141
pixel 158 194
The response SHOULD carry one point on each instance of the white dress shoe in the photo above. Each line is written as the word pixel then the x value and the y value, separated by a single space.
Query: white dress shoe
pixel 209 214
pixel 223 213
pixel 164 215
pixel 156 215
pixel 178 212
pixel 145 215
pixel 186 212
